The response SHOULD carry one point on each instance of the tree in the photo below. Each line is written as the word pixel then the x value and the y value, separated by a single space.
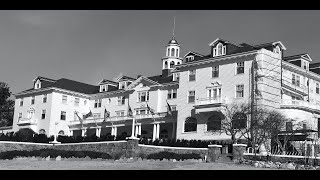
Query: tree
pixel 235 118
pixel 6 105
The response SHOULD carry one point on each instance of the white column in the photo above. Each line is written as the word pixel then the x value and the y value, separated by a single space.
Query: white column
pixel 158 130
pixel 71 133
pixel 133 126
pixel 154 132
pixel 83 131
pixel 112 131
pixel 137 130
pixel 140 129
pixel 115 131
pixel 98 130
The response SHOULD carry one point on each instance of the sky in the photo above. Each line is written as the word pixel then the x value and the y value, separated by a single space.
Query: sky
pixel 91 45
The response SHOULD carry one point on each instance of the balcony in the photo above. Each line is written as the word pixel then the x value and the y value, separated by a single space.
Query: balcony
pixel 302 89
pixel 299 104
pixel 209 104
pixel 27 121
pixel 150 116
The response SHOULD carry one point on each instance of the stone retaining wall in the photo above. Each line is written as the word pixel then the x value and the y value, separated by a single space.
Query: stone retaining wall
pixel 149 149
pixel 129 148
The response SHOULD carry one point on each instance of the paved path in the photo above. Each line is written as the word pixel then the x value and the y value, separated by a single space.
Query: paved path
pixel 105 165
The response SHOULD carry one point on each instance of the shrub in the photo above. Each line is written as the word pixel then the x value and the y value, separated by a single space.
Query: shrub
pixel 24 135
pixel 171 155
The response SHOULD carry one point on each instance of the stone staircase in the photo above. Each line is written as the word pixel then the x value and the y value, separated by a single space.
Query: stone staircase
pixel 224 158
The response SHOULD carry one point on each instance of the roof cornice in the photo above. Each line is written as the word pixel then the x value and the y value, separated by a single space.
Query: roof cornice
pixel 219 58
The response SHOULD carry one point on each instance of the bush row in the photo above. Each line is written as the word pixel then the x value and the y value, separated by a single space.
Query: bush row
pixel 183 142
pixel 53 154
pixel 170 155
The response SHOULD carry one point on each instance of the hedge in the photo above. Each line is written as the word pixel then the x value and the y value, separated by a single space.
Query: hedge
pixel 171 155
pixel 53 154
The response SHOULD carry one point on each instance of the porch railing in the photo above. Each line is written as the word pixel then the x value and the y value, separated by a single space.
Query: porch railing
pixel 299 103
pixel 207 101
pixel 27 121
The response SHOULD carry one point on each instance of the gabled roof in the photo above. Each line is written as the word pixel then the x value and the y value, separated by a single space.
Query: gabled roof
pixel 122 78
pixel 44 78
pixel 193 53
pixel 106 81
pixel 271 44
pixel 70 85
pixel 219 39
pixel 297 56
pixel 136 82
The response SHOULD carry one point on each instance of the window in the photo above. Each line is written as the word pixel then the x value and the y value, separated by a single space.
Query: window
pixel 173 108
pixel 61 133
pixel 103 88
pixel 191 97
pixel 122 85
pixel 240 67
pixel 63 115
pixel 43 115
pixel 44 99
pixel 97 103
pixel 176 76
pixel 304 125
pixel 171 64
pixel 317 88
pixel 21 102
pixel 296 79
pixel 64 99
pixel 190 124
pixel 219 50
pixel 142 111
pixel 305 66
pixel 30 114
pixel 76 101
pixel 172 52
pixel 165 65
pixel 172 94
pixel 239 121
pixel 96 115
pixel 19 116
pixel 42 131
pixel 121 100
pixel 239 91
pixel 189 58
pixel 168 52
pixel 143 96
pixel 213 93
pixel 288 126
pixel 37 84
pixel 215 71
pixel 214 123
pixel 32 99
pixel 120 113
pixel 192 75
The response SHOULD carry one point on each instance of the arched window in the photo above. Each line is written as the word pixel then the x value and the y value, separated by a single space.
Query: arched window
pixel 171 64
pixel 168 51
pixel 214 123
pixel 190 124
pixel 61 133
pixel 165 65
pixel 177 53
pixel 219 49
pixel 172 52
pixel 42 131
pixel 164 134
pixel 239 121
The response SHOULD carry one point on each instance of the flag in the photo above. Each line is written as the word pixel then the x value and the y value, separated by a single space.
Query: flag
pixel 106 114
pixel 87 115
pixel 130 114
pixel 169 109
pixel 150 110
pixel 78 116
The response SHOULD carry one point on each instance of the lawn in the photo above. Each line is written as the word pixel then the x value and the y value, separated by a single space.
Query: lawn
pixel 107 165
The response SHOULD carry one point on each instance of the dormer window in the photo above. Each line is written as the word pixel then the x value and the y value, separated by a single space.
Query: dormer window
pixel 103 88
pixel 122 85
pixel 175 76
pixel 277 50
pixel 219 50
pixel 189 58
pixel 37 85
pixel 305 65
